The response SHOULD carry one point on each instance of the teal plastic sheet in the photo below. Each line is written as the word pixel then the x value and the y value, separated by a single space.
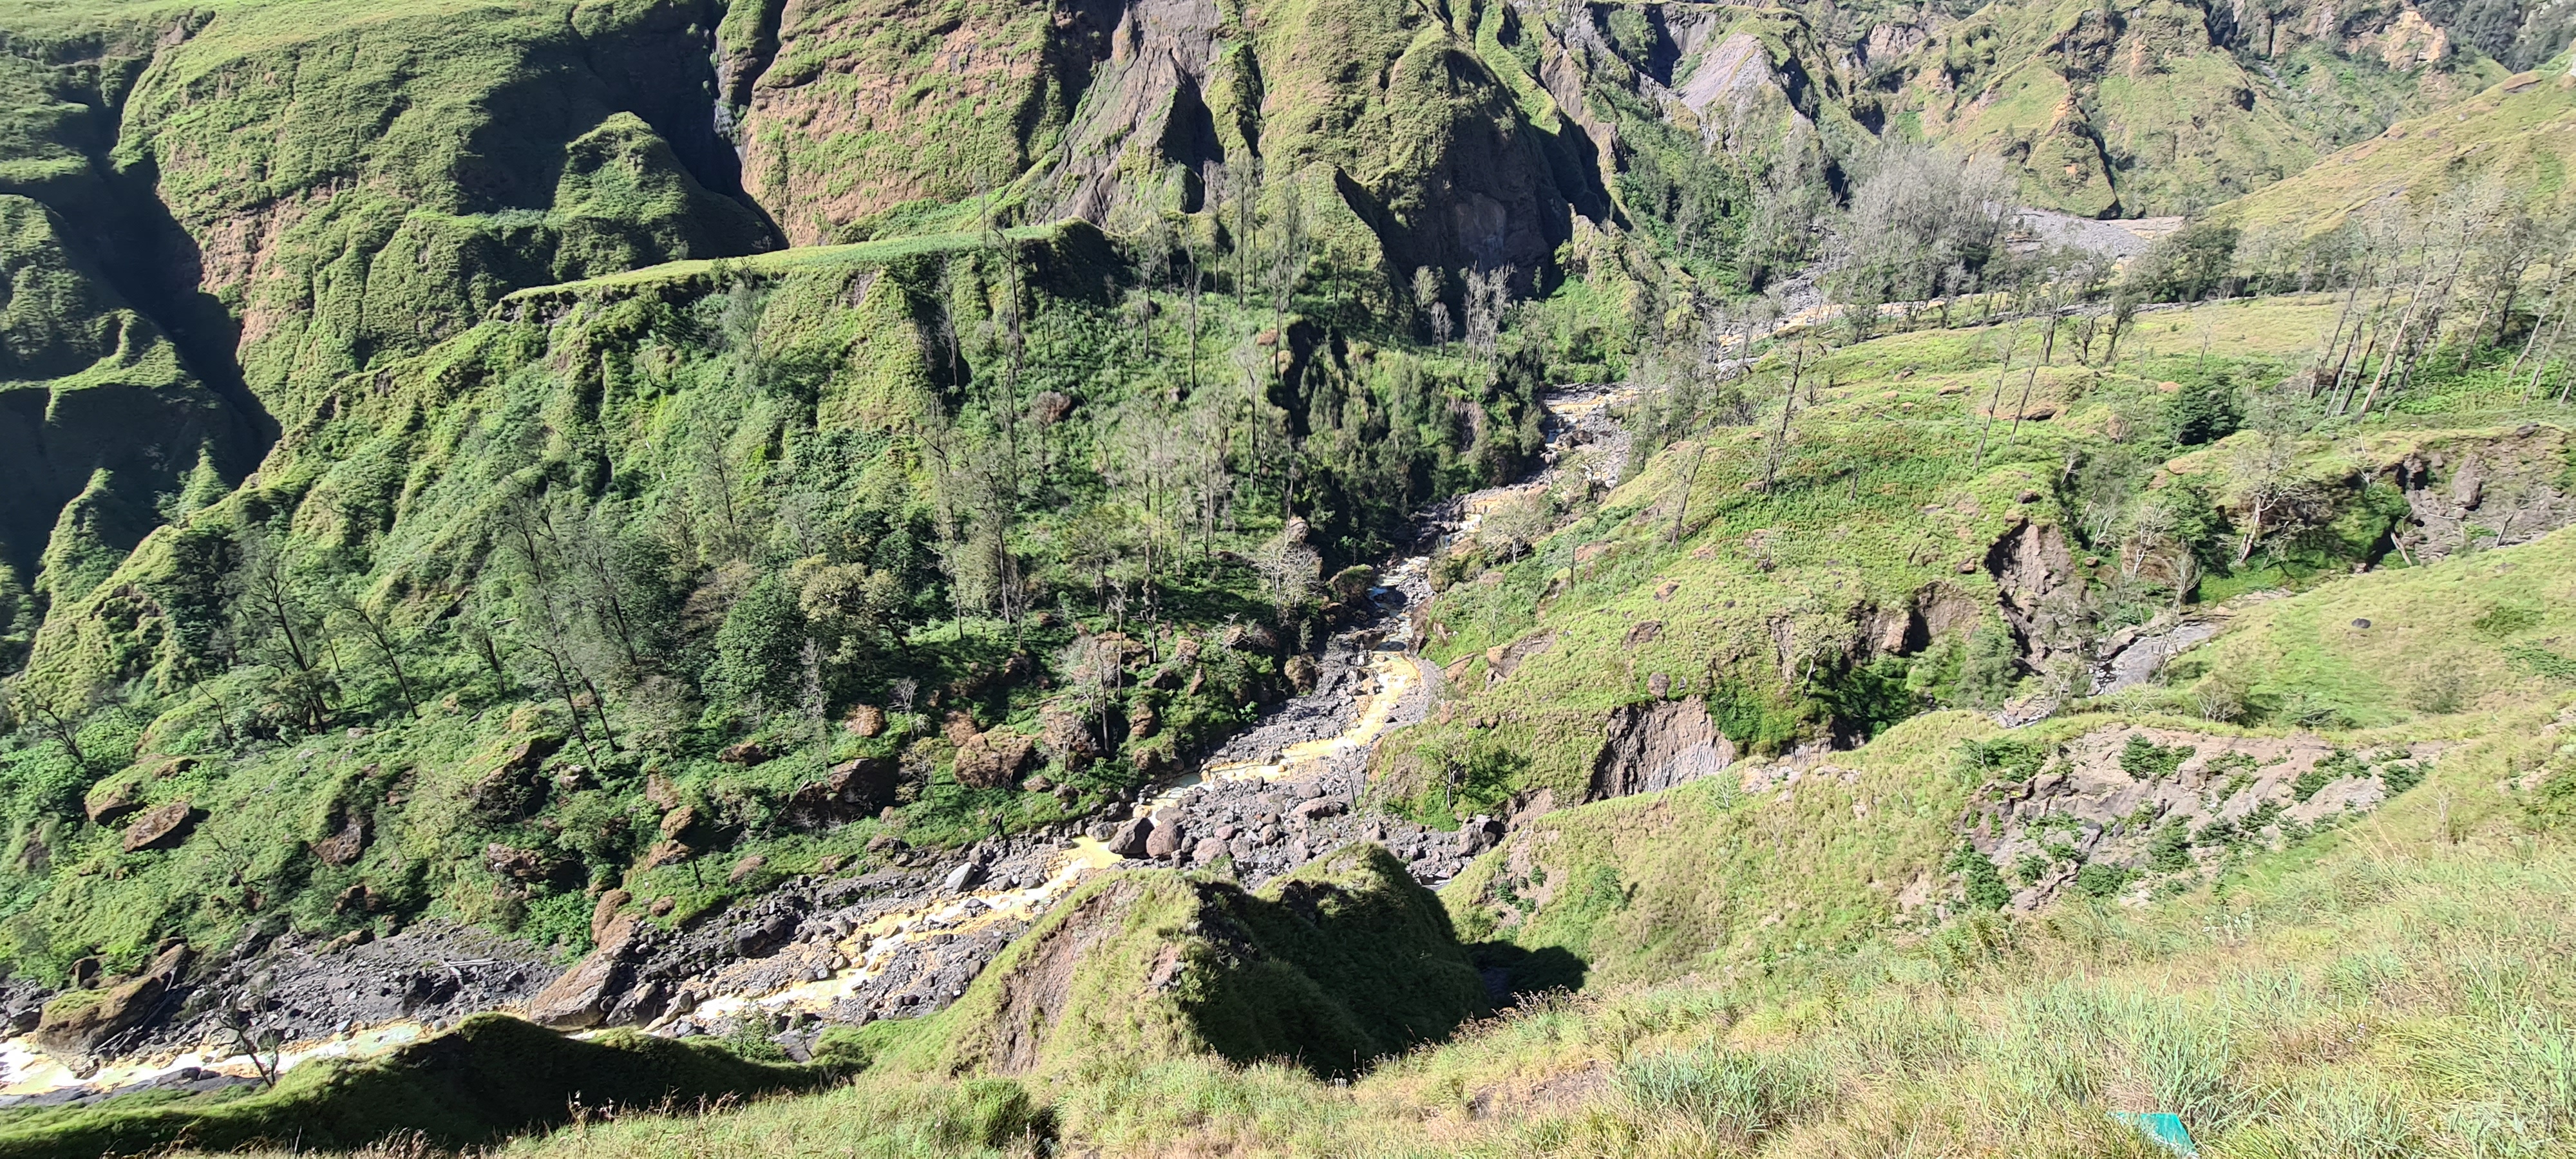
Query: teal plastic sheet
pixel 2163 1128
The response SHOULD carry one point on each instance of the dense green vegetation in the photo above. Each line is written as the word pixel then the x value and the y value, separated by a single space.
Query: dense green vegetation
pixel 460 457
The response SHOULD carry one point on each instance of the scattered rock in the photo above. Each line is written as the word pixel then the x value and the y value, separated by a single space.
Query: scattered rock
pixel 679 821
pixel 112 801
pixel 1207 851
pixel 162 828
pixel 994 759
pixel 343 847
pixel 964 877
pixel 1130 838
pixel 745 753
pixel 604 914
pixel 1165 840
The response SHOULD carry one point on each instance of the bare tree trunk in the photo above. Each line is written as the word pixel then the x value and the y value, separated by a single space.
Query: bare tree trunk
pixel 1681 504
pixel 1788 407
pixel 1995 405
pixel 2047 342
pixel 2336 338
pixel 2538 324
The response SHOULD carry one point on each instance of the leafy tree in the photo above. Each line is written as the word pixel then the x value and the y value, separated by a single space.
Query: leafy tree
pixel 2192 263
pixel 2207 409
pixel 758 647
pixel 276 621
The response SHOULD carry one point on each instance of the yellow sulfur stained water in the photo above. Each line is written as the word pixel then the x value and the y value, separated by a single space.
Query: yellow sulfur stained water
pixel 24 1070
pixel 868 949
pixel 1394 674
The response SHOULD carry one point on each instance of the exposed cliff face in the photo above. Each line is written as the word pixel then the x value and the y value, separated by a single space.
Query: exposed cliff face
pixel 1406 144
pixel 1658 745
pixel 1146 133
pixel 212 216
pixel 2145 803
pixel 100 418
pixel 851 109
pixel 2162 107
pixel 412 167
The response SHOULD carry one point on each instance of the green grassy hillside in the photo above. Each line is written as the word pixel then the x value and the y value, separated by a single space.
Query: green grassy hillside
pixel 2524 126
pixel 2385 985
pixel 497 461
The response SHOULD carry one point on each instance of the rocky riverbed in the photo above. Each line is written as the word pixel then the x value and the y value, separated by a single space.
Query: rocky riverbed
pixel 823 950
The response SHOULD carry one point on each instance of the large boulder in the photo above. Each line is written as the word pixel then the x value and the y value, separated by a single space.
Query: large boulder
pixel 82 1021
pixel 1167 836
pixel 1130 838
pixel 849 791
pixel 995 759
pixel 109 802
pixel 1068 733
pixel 582 997
pixel 604 913
pixel 162 828
pixel 518 864
pixel 512 786
pixel 343 847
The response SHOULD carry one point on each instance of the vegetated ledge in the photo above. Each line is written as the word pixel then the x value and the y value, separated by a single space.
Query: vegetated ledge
pixel 1059 249
pixel 492 1077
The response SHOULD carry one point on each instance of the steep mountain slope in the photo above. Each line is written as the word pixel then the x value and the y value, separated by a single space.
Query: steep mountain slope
pixel 2381 978
pixel 2522 131
pixel 597 477
pixel 2165 108
pixel 101 423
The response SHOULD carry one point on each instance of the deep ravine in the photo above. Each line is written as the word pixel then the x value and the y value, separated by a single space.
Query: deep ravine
pixel 823 950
